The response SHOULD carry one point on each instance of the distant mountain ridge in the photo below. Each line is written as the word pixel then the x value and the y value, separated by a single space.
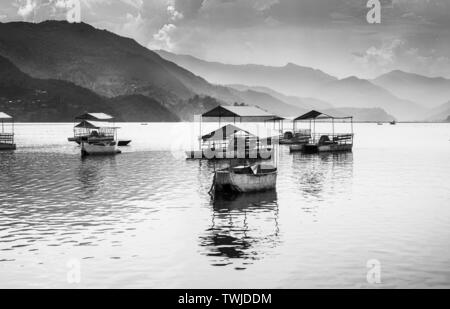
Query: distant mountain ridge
pixel 291 79
pixel 112 66
pixel 361 93
pixel 122 72
pixel 427 91
pixel 296 82
pixel 440 113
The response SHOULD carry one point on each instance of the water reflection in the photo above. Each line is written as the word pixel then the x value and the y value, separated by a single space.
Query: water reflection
pixel 91 173
pixel 243 228
pixel 320 176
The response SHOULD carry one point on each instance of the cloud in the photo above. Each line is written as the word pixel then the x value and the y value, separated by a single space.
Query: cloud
pixel 162 39
pixel 381 57
pixel 174 15
pixel 26 8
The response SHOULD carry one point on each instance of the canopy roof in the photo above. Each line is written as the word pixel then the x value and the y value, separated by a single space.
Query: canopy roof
pixel 318 115
pixel 238 111
pixel 223 133
pixel 93 125
pixel 95 117
pixel 5 116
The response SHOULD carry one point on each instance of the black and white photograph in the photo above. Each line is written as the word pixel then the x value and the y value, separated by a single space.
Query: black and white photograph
pixel 224 144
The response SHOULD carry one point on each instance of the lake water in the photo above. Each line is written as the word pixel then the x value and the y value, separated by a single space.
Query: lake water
pixel 144 218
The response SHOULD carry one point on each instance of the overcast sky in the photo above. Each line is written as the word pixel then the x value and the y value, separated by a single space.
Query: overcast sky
pixel 331 35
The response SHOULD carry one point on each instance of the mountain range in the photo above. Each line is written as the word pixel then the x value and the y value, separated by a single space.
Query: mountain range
pixel 406 96
pixel 54 70
pixel 112 66
pixel 48 100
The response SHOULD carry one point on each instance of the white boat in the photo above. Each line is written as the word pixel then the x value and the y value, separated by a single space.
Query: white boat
pixel 6 135
pixel 246 179
pixel 92 148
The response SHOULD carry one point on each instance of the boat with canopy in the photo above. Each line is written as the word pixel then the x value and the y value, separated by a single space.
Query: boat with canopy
pixel 244 150
pixel 87 123
pixel 7 132
pixel 96 134
pixel 325 142
pixel 230 141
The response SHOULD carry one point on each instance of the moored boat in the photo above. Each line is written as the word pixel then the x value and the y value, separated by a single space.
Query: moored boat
pixel 7 135
pixel 326 142
pixel 246 179
pixel 96 134
pixel 231 142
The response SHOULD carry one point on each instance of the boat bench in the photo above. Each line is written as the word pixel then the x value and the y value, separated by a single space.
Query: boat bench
pixel 6 138
pixel 342 137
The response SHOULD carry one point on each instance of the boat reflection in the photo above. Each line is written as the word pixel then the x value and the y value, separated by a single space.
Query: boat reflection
pixel 92 173
pixel 323 175
pixel 243 230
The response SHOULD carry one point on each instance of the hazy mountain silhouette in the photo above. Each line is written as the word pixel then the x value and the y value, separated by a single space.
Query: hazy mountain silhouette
pixel 290 79
pixel 429 92
pixel 440 113
pixel 303 103
pixel 360 93
pixel 113 66
pixel 292 84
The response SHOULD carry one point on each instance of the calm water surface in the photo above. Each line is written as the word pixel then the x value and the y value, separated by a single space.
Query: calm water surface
pixel 145 219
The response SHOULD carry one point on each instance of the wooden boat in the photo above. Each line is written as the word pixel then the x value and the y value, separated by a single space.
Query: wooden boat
pixel 297 147
pixel 329 142
pixel 337 144
pixel 295 138
pixel 231 142
pixel 7 136
pixel 246 179
pixel 96 134
pixel 120 143
pixel 92 148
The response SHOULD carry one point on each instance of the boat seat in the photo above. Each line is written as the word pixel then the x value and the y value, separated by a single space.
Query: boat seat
pixel 342 137
pixel 325 140
pixel 243 170
pixel 266 169
pixel 288 135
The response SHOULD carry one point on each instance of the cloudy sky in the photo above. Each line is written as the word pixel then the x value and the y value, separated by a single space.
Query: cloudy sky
pixel 331 35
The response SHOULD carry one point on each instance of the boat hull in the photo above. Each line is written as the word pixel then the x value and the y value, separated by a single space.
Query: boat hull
pixel 121 143
pixel 327 148
pixel 226 155
pixel 7 147
pixel 296 148
pixel 226 181
pixel 88 149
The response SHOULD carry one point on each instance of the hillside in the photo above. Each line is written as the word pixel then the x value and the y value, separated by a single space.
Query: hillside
pixel 290 79
pixel 46 100
pixel 362 114
pixel 440 113
pixel 112 66
pixel 360 93
pixel 303 103
pixel 429 92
